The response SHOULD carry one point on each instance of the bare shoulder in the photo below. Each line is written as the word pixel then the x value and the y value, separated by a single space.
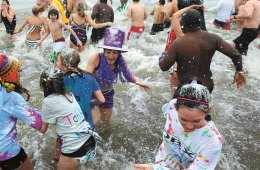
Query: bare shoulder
pixel 11 10
pixel 130 6
pixel 93 62
pixel 94 59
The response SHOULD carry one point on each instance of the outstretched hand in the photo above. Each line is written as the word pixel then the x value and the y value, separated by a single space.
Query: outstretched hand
pixel 239 79
pixel 143 167
pixel 143 85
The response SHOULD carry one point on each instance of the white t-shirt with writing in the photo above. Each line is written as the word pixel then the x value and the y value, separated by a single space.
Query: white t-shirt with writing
pixel 200 149
pixel 68 119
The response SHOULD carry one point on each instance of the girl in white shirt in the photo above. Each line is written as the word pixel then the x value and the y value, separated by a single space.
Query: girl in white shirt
pixel 63 111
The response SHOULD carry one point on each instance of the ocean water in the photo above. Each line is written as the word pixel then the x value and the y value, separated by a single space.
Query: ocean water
pixel 135 131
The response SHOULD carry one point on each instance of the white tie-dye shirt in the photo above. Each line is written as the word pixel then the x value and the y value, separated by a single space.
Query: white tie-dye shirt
pixel 198 150
pixel 13 107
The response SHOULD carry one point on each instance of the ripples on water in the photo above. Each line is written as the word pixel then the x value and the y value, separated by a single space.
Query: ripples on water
pixel 135 132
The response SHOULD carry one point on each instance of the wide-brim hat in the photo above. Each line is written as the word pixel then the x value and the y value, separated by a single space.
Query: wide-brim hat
pixel 9 68
pixel 114 40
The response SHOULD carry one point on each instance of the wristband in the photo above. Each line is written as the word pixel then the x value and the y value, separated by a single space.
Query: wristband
pixel 240 72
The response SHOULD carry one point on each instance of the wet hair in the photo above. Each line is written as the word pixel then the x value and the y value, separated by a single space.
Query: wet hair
pixel 80 8
pixel 37 9
pixel 7 1
pixel 70 58
pixel 162 2
pixel 191 21
pixel 51 81
pixel 103 1
pixel 53 12
pixel 136 0
pixel 194 96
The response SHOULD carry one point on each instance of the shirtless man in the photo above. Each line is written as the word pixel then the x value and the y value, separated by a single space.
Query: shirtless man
pixel 251 23
pixel 159 15
pixel 193 52
pixel 137 13
pixel 55 28
pixel 55 4
pixel 170 8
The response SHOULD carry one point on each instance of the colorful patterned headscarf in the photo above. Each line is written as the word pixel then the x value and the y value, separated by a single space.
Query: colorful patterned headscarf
pixel 9 71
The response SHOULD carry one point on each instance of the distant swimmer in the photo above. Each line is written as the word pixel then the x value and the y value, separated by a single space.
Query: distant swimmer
pixel 101 13
pixel 224 9
pixel 55 28
pixel 36 24
pixel 8 17
pixel 251 18
pixel 159 16
pixel 194 49
pixel 137 14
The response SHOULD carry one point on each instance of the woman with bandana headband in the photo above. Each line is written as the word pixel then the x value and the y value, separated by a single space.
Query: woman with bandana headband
pixel 190 138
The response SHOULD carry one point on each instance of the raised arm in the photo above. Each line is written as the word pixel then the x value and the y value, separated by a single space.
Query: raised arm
pixel 9 14
pixel 175 24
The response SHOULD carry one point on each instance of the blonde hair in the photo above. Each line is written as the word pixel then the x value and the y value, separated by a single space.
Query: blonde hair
pixel 37 9
pixel 80 8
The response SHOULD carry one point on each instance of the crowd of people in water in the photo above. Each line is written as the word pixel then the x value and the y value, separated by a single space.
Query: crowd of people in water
pixel 76 101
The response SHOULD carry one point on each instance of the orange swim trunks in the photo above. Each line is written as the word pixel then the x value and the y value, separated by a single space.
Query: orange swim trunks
pixel 170 39
pixel 135 32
